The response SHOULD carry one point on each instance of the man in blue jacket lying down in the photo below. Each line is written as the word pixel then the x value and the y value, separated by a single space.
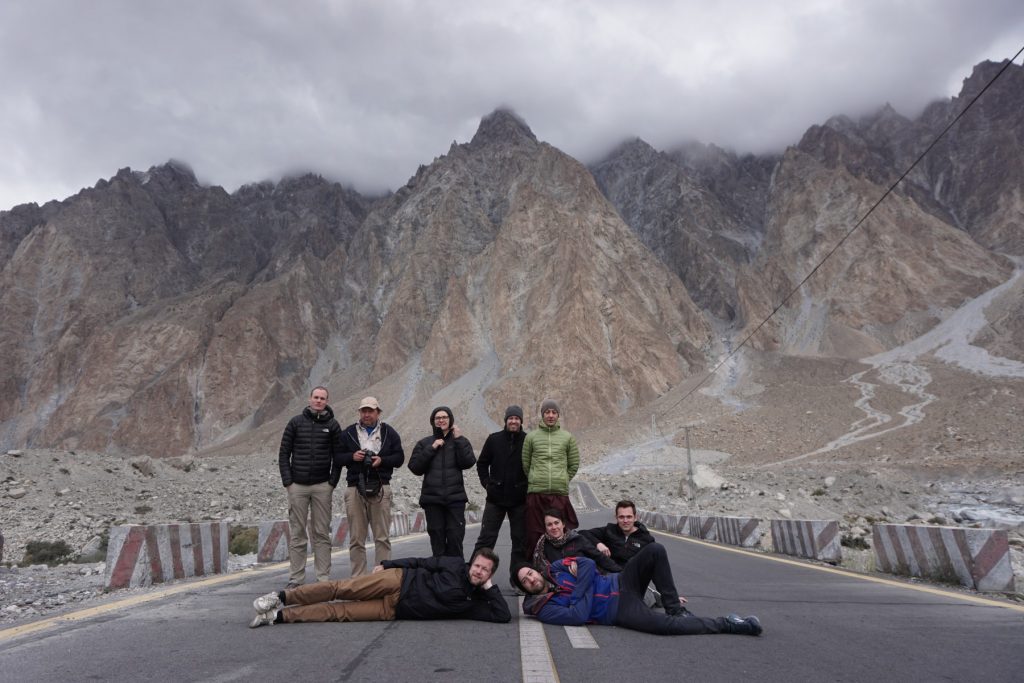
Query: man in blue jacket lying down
pixel 573 593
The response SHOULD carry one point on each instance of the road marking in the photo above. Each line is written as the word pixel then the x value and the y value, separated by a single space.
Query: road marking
pixel 581 638
pixel 159 594
pixel 534 653
pixel 988 602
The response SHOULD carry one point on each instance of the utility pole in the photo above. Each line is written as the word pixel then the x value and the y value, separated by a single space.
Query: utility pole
pixel 689 468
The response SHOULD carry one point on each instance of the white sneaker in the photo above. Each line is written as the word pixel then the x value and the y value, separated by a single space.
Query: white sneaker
pixel 267 603
pixel 263 619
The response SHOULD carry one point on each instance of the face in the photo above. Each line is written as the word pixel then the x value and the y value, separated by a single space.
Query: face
pixel 443 421
pixel 318 400
pixel 550 417
pixel 553 526
pixel 625 519
pixel 531 580
pixel 513 424
pixel 480 570
pixel 368 416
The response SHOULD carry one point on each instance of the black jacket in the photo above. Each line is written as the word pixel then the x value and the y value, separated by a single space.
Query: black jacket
pixel 441 468
pixel 308 445
pixel 623 549
pixel 391 453
pixel 500 468
pixel 439 588
pixel 580 546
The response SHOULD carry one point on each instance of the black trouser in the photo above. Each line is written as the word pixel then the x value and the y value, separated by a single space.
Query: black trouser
pixel 490 525
pixel 651 563
pixel 446 527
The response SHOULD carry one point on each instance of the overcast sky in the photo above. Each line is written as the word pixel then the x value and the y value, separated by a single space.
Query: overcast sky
pixel 364 92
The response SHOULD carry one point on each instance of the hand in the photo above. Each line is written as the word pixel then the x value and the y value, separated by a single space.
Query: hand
pixel 378 568
pixel 604 550
pixel 437 443
pixel 682 600
pixel 456 432
pixel 359 456
pixel 572 567
pixel 488 584
pixel 375 461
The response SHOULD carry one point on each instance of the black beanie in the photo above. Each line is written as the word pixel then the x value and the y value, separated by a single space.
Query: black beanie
pixel 513 411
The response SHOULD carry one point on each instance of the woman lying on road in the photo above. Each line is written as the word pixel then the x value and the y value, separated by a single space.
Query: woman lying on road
pixel 572 593
pixel 558 543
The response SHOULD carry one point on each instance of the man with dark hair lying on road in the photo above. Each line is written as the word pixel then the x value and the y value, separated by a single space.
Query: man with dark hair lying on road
pixel 427 588
pixel 573 593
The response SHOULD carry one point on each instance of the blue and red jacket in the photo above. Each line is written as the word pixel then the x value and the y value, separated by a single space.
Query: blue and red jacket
pixel 587 598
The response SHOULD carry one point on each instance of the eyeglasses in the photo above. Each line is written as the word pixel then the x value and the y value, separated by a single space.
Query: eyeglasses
pixel 441 417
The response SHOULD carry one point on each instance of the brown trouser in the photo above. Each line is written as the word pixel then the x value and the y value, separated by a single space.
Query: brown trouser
pixel 312 503
pixel 366 514
pixel 365 598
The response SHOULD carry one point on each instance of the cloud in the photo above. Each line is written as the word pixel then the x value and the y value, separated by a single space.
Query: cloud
pixel 364 92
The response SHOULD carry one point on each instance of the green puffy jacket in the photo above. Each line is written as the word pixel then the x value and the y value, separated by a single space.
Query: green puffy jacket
pixel 550 459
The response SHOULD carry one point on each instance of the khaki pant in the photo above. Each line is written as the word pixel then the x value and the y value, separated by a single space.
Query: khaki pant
pixel 369 598
pixel 312 503
pixel 363 514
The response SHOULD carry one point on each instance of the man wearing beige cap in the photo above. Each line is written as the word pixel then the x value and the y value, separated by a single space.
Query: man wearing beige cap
pixel 371 450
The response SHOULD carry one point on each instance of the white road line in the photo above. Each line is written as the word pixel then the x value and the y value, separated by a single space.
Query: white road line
pixel 534 653
pixel 581 638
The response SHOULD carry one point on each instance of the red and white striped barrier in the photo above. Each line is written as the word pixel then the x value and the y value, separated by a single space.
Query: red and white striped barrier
pixel 742 531
pixel 272 541
pixel 976 558
pixel 144 555
pixel 816 540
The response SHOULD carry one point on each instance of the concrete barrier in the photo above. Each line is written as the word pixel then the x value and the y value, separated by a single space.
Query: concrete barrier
pixel 742 531
pixel 144 555
pixel 708 528
pixel 272 541
pixel 976 558
pixel 816 540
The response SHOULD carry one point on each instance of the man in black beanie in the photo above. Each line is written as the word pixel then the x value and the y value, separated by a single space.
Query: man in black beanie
pixel 500 468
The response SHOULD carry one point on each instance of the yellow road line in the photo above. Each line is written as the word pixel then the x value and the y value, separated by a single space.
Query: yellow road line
pixel 990 602
pixel 159 594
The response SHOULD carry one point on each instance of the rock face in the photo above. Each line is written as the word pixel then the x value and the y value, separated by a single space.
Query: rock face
pixel 150 315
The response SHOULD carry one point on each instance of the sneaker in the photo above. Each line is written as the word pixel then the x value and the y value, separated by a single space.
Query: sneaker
pixel 267 603
pixel 748 626
pixel 263 619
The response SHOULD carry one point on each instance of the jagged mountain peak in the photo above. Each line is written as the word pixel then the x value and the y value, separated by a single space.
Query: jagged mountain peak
pixel 502 126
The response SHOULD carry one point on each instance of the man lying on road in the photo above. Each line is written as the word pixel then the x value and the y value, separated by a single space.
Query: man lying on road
pixel 427 588
pixel 573 593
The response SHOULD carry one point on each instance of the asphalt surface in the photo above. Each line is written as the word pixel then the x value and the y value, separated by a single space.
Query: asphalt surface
pixel 820 625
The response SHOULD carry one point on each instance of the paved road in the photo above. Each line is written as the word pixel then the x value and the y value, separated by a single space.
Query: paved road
pixel 820 625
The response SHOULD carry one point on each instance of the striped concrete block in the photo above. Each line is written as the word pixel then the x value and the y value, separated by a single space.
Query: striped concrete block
pixel 418 523
pixel 272 541
pixel 742 531
pixel 144 555
pixel 684 525
pixel 708 528
pixel 339 532
pixel 976 558
pixel 816 540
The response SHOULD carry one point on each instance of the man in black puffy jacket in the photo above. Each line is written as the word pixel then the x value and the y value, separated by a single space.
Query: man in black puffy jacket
pixel 622 539
pixel 414 588
pixel 309 474
pixel 440 459
pixel 500 468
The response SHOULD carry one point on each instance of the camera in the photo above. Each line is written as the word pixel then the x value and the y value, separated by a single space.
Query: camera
pixel 370 455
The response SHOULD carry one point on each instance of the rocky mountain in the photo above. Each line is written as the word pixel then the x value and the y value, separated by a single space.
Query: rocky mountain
pixel 152 315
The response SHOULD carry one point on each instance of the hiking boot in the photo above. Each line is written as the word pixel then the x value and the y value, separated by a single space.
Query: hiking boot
pixel 263 619
pixel 746 626
pixel 267 603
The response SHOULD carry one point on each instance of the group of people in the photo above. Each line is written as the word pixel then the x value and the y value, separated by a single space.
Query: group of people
pixel 570 576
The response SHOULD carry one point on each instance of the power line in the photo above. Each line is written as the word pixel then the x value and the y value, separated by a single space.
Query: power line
pixel 852 230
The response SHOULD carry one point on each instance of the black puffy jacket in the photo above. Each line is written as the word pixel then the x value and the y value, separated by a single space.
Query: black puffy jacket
pixel 441 468
pixel 307 449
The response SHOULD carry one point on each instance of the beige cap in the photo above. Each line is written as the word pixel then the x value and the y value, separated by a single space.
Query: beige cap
pixel 369 402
